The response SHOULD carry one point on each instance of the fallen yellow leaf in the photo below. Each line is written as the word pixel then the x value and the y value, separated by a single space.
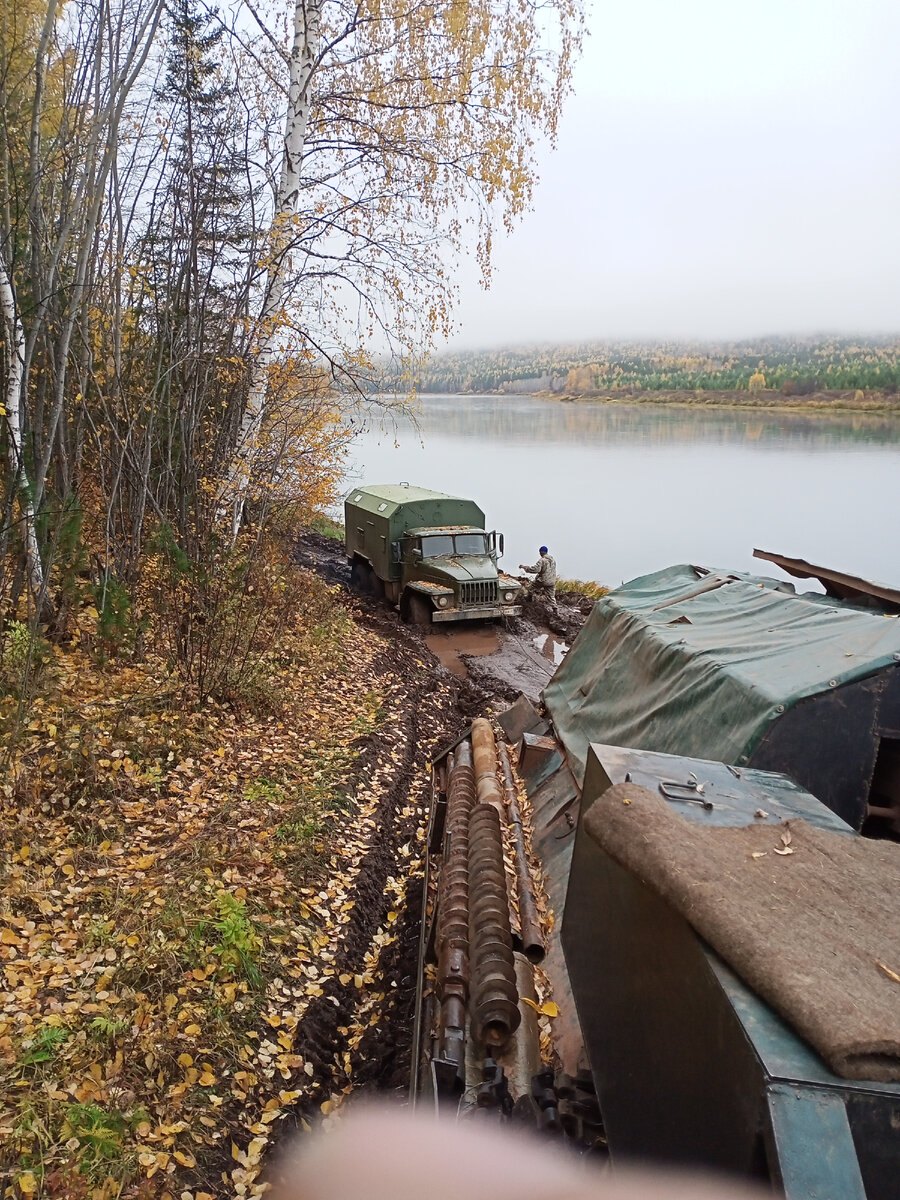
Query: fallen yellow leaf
pixel 548 1009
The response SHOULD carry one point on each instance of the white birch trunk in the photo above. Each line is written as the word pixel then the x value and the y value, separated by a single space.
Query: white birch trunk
pixel 304 53
pixel 15 375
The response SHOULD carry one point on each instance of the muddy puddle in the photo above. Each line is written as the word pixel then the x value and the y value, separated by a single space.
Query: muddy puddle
pixel 447 646
pixel 487 654
pixel 550 648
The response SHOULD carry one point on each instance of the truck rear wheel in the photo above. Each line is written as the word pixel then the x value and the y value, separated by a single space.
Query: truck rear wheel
pixel 362 577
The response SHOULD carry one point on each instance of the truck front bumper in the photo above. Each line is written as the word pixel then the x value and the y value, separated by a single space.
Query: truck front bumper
pixel 476 612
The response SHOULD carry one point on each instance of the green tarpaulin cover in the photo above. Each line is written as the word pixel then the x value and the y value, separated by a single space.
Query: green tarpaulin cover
pixel 692 662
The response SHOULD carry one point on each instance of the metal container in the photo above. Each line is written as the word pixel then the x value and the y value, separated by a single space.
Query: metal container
pixel 691 1066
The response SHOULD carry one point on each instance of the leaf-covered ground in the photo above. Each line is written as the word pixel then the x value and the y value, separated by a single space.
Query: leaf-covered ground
pixel 200 910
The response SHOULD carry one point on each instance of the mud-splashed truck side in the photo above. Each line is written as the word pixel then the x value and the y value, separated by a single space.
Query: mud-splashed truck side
pixel 427 552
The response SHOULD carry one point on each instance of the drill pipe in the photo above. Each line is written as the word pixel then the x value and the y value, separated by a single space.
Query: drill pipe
pixel 453 912
pixel 530 923
pixel 484 752
pixel 494 1008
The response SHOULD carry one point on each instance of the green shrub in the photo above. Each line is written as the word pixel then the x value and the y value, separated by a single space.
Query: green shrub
pixel 118 627
pixel 24 652
pixel 239 942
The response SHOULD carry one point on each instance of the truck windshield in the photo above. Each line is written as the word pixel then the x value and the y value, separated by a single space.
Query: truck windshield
pixel 470 543
pixel 433 547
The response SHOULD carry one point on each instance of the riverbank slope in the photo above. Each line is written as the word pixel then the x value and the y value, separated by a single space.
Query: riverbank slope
pixel 209 913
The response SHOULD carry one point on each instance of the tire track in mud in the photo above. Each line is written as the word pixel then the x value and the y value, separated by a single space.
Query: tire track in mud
pixel 355 1036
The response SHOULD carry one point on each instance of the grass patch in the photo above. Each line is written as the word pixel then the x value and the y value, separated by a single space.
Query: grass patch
pixel 44 1046
pixel 586 587
pixel 327 527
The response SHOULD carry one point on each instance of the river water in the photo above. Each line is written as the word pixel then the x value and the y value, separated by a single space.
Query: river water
pixel 618 490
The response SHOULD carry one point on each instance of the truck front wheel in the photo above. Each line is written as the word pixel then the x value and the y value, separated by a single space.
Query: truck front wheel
pixel 416 609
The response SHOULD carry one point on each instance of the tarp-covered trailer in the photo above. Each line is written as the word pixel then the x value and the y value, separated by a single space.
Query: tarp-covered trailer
pixel 741 669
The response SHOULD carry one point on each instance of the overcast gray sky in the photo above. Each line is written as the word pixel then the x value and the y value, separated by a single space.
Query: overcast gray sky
pixel 724 170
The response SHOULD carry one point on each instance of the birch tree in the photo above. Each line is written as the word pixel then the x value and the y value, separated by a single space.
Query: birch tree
pixel 18 475
pixel 53 193
pixel 301 65
pixel 409 132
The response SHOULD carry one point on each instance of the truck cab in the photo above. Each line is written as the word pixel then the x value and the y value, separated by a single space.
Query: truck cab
pixel 427 552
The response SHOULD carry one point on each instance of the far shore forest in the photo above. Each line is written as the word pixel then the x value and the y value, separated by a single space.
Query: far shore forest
pixel 778 370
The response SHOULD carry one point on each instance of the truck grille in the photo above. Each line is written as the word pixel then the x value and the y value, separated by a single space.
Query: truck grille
pixel 480 592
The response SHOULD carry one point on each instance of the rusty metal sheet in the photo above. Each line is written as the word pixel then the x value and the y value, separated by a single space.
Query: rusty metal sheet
pixel 521 717
pixel 554 800
pixel 537 753
pixel 836 583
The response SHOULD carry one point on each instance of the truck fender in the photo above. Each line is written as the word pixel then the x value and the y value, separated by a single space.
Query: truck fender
pixel 425 589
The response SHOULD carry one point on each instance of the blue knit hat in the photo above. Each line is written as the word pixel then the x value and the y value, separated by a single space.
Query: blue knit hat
pixel 543 550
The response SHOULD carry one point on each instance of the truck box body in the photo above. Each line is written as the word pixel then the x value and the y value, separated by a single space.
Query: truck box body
pixel 376 516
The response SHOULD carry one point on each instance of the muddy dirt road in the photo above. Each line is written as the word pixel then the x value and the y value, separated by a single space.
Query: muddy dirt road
pixel 355 1035
pixel 500 658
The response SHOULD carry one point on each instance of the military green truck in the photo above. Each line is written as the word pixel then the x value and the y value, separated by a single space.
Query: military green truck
pixel 427 552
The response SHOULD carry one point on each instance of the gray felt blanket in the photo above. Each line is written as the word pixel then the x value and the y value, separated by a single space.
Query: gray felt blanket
pixel 808 918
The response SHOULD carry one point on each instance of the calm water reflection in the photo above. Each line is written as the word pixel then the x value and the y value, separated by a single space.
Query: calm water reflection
pixel 620 490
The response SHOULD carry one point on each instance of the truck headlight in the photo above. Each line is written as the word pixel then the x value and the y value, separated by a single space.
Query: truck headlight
pixel 443 601
pixel 508 597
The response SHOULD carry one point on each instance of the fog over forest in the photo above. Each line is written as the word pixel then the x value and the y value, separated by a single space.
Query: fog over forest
pixel 722 172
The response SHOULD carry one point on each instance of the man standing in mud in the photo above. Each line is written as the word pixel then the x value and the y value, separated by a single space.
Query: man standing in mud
pixel 544 572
